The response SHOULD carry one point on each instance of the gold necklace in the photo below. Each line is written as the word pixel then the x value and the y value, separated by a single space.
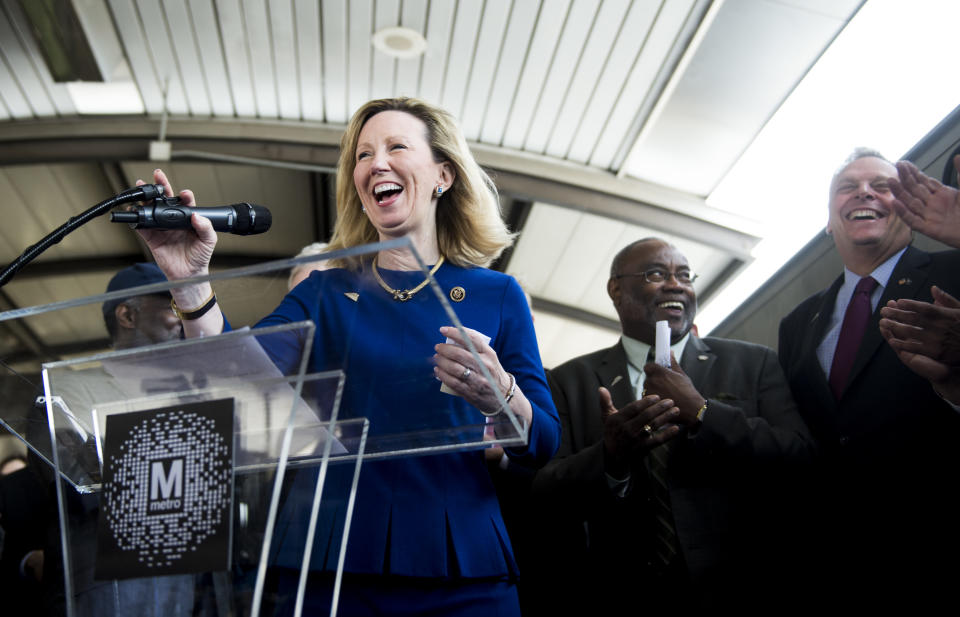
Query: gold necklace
pixel 402 295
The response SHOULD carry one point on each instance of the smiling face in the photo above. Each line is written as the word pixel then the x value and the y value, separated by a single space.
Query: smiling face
pixel 862 220
pixel 396 176
pixel 640 304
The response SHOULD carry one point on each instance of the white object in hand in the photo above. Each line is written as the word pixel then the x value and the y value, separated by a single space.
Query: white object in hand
pixel 662 356
pixel 486 339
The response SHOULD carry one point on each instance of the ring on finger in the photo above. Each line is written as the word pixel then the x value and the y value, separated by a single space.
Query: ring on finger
pixel 648 430
pixel 465 374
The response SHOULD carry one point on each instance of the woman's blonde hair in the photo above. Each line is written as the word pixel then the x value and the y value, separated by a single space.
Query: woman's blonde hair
pixel 470 229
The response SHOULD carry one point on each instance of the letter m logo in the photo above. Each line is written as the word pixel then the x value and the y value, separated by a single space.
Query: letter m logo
pixel 166 482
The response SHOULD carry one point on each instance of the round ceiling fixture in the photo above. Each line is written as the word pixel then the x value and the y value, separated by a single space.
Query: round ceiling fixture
pixel 400 42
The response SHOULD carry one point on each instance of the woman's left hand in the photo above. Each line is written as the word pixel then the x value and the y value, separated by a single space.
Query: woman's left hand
pixel 457 368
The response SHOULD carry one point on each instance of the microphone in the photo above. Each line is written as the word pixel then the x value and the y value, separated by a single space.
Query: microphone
pixel 242 219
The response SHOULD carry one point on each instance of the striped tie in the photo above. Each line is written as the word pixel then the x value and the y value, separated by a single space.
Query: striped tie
pixel 665 545
pixel 665 534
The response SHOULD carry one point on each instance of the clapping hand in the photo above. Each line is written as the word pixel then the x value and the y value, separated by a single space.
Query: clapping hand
pixel 926 205
pixel 926 337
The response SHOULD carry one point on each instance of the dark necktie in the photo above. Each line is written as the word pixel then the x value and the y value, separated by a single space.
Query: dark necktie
pixel 851 333
pixel 665 542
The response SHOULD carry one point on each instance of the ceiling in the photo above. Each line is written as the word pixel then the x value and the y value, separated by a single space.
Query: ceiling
pixel 600 121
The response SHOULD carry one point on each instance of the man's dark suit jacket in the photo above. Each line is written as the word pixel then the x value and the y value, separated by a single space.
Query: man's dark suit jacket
pixel 883 501
pixel 720 478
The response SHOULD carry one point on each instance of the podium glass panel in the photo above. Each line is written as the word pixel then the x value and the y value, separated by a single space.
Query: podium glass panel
pixel 310 403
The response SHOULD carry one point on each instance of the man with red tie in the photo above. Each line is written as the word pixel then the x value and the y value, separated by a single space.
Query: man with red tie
pixel 881 513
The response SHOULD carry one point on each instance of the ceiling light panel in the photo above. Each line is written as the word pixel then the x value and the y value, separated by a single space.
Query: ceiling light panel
pixel 593 61
pixel 153 27
pixel 212 65
pixel 460 56
pixel 546 37
pixel 308 60
pixel 557 85
pixel 131 35
pixel 412 17
pixel 236 56
pixel 513 58
pixel 493 29
pixel 636 97
pixel 630 40
pixel 440 22
pixel 186 54
pixel 284 34
pixel 333 19
pixel 360 60
pixel 256 20
pixel 384 66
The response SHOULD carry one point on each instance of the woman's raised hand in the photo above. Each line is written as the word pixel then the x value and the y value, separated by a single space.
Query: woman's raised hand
pixel 180 253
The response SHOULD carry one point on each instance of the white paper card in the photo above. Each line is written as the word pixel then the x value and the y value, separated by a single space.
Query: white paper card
pixel 450 341
pixel 662 356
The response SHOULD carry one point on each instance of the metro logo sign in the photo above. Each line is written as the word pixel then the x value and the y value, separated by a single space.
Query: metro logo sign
pixel 166 486
pixel 167 491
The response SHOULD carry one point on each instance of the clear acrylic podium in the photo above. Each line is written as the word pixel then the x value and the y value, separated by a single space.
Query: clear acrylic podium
pixel 295 450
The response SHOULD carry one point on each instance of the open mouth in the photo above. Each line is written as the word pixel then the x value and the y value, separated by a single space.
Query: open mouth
pixel 671 305
pixel 864 214
pixel 386 191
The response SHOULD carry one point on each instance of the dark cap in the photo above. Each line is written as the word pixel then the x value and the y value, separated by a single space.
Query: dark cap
pixel 134 276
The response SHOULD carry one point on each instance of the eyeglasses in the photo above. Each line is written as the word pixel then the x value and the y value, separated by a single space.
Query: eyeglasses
pixel 659 275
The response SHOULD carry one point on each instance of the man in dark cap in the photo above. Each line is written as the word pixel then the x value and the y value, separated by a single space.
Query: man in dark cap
pixel 141 320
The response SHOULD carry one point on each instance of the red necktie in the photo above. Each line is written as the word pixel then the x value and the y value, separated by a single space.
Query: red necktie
pixel 851 333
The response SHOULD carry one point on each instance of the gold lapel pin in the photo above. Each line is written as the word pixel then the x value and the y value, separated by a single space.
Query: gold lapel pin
pixel 904 281
pixel 352 295
pixel 457 294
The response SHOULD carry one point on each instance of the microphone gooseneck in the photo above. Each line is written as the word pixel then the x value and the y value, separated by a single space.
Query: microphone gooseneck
pixel 143 192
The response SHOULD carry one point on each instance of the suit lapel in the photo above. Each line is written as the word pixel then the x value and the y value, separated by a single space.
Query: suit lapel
pixel 907 279
pixel 697 361
pixel 816 329
pixel 613 375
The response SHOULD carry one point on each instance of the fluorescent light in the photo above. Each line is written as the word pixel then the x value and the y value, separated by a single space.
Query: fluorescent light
pixel 886 80
pixel 116 97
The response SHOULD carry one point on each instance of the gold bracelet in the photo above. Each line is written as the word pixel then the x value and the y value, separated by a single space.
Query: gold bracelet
pixel 512 389
pixel 702 411
pixel 196 313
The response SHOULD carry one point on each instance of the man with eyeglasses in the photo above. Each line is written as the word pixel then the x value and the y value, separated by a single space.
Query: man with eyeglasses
pixel 883 511
pixel 668 474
